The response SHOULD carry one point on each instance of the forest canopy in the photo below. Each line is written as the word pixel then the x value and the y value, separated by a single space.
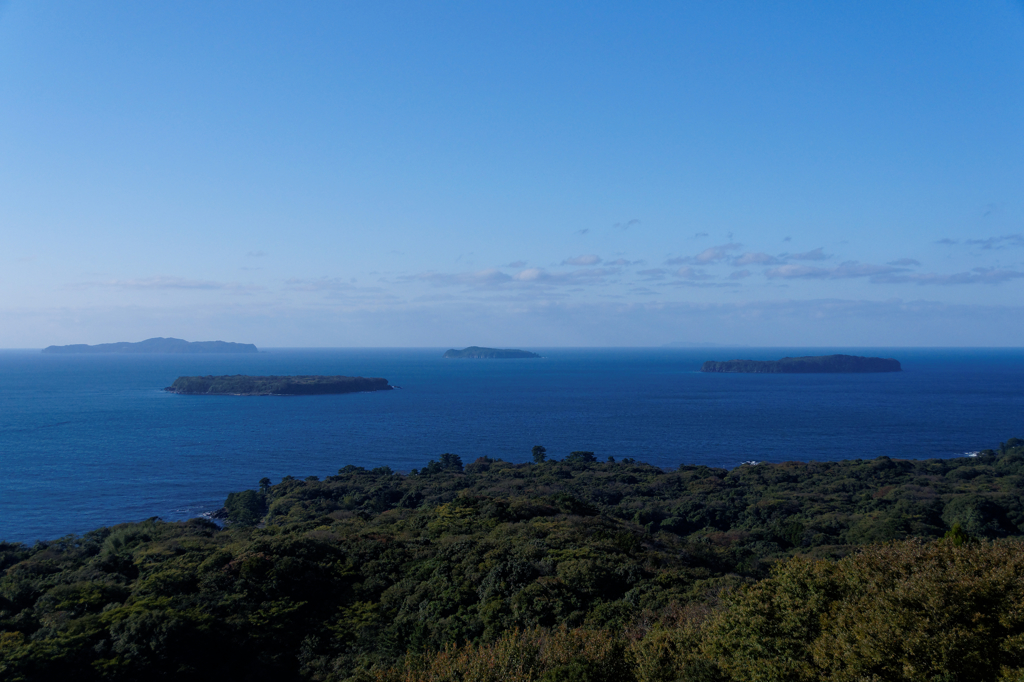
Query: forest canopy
pixel 554 570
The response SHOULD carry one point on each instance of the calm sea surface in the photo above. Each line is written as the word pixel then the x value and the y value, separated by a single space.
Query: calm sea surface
pixel 87 441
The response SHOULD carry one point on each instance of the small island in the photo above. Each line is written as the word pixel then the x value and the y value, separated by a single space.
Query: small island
pixel 241 384
pixel 157 345
pixel 815 364
pixel 477 353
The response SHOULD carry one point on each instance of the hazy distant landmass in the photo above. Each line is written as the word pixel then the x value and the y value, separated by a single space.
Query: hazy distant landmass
pixel 816 364
pixel 701 344
pixel 477 352
pixel 240 384
pixel 157 345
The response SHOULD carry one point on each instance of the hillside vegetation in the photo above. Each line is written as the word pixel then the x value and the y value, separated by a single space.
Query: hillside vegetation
pixel 573 570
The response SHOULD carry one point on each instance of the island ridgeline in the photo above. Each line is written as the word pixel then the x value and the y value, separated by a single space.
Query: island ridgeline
pixel 157 345
pixel 478 353
pixel 814 364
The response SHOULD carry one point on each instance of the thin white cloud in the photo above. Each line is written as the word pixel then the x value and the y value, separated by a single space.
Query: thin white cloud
pixel 715 253
pixel 327 284
pixel 757 259
pixel 816 254
pixel 340 288
pixel 976 276
pixel 890 274
pixel 156 283
pixel 587 259
pixel 542 276
pixel 989 243
pixel 692 274
pixel 998 242
pixel 739 274
pixel 698 284
pixel 517 264
pixel 652 274
pixel 904 262
pixel 710 255
pixel 256 254
pixel 481 278
pixel 534 321
pixel 848 270
pixel 633 222
pixel 530 277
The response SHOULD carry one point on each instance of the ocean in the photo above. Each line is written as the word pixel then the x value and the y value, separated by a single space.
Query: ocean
pixel 93 440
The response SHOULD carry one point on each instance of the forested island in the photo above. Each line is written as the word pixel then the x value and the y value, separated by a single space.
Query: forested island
pixel 157 345
pixel 571 570
pixel 478 353
pixel 241 384
pixel 813 364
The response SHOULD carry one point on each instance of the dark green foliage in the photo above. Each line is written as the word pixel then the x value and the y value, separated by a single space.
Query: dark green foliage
pixel 905 611
pixel 324 578
pixel 1010 445
pixel 913 611
pixel 580 457
pixel 449 462
pixel 246 508
pixel 978 515
pixel 958 536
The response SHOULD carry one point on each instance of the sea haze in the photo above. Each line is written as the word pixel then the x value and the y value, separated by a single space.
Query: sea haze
pixel 91 440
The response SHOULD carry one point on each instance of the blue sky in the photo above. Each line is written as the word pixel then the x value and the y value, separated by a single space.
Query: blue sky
pixel 515 174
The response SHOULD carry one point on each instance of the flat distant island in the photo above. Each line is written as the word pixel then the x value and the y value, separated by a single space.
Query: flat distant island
pixel 812 364
pixel 477 353
pixel 157 345
pixel 241 384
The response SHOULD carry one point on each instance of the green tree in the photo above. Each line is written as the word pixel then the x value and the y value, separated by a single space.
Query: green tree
pixel 246 508
pixel 450 462
pixel 958 536
pixel 581 457
pixel 540 453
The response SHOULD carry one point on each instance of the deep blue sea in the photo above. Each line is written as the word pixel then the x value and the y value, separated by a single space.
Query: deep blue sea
pixel 87 441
